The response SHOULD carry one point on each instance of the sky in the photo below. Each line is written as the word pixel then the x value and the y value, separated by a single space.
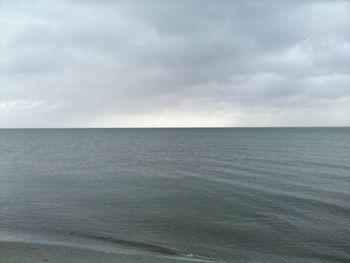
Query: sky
pixel 174 63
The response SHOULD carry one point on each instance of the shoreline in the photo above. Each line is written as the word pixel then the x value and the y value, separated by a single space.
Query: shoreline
pixel 22 252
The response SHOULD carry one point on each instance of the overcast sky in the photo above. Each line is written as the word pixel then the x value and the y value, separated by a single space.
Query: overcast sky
pixel 174 63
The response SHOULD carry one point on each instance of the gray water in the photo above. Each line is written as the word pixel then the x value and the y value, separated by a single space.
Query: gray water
pixel 229 195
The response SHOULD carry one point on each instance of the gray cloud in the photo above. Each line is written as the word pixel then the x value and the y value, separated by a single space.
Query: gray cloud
pixel 174 63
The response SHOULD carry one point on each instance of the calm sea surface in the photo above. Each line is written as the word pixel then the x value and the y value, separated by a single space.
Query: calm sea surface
pixel 229 195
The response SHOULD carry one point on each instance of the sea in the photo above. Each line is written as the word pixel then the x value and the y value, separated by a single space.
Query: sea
pixel 217 194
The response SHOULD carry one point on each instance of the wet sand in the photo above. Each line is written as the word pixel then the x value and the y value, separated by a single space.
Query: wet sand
pixel 15 252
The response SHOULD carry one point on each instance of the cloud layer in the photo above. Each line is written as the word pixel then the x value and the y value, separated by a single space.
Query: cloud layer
pixel 174 63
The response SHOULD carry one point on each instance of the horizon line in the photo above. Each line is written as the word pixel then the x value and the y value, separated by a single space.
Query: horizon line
pixel 174 127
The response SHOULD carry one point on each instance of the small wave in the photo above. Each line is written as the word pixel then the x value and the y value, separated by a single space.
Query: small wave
pixel 129 243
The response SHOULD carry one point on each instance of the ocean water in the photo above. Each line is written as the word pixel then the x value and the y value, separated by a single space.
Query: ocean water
pixel 227 195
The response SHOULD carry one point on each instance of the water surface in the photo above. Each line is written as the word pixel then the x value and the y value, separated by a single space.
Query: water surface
pixel 230 195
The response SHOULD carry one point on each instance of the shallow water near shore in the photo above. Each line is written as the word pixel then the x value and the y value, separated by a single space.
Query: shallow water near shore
pixel 14 252
pixel 226 195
